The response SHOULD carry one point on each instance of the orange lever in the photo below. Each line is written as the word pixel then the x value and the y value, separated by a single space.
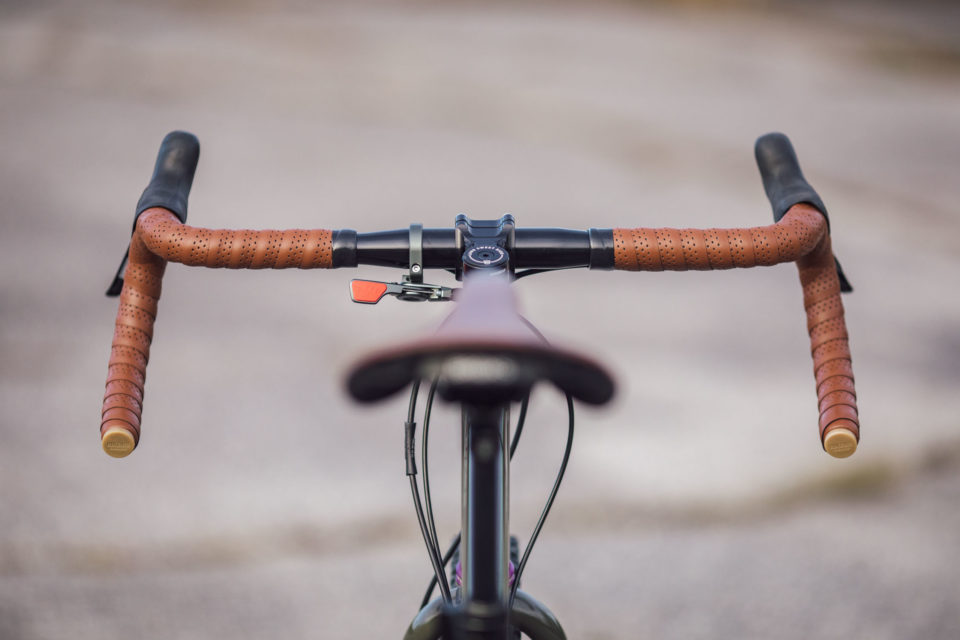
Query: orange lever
pixel 367 291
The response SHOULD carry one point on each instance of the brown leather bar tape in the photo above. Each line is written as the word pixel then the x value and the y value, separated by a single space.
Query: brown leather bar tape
pixel 830 350
pixel 801 236
pixel 159 238
pixel 796 235
pixel 164 235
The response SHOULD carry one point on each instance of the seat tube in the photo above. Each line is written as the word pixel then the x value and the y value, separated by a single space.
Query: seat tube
pixel 485 503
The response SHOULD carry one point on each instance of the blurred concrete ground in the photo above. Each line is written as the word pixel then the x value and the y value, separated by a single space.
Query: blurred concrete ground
pixel 262 503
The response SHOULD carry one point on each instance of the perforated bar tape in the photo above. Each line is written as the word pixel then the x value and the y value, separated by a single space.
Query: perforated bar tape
pixel 159 238
pixel 801 237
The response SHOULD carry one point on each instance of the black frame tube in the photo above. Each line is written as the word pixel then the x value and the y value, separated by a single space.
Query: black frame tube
pixel 485 513
pixel 482 610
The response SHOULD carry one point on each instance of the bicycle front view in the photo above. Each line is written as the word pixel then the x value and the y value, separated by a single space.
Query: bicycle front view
pixel 485 356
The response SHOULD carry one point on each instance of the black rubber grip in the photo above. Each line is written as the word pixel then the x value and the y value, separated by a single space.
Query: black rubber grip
pixel 785 185
pixel 172 176
pixel 782 179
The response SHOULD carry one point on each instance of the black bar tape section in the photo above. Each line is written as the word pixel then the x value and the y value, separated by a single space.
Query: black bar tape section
pixel 785 185
pixel 601 248
pixel 344 248
pixel 172 175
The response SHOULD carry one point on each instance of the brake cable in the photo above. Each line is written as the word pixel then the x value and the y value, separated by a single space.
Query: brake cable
pixel 410 427
pixel 454 545
pixel 426 469
pixel 547 506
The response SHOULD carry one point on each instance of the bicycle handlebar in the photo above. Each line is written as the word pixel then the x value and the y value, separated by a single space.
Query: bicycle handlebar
pixel 800 233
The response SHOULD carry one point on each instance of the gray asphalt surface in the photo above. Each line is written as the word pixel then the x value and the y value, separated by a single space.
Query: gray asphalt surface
pixel 261 503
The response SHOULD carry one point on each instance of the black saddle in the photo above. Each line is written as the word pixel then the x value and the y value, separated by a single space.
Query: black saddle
pixel 484 352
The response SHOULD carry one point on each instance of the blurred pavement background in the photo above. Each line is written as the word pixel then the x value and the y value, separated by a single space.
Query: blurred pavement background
pixel 261 503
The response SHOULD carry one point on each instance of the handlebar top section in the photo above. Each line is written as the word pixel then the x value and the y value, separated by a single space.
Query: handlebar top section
pixel 529 248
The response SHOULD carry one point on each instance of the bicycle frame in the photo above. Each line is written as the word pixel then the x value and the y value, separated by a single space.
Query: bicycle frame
pixel 485 511
pixel 481 612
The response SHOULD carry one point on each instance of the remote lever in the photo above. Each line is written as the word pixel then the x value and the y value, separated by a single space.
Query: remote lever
pixel 371 291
